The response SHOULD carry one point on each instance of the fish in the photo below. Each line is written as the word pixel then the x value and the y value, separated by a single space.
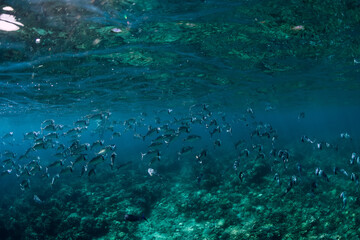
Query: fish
pixel 217 142
pixel 95 116
pixel 26 155
pixel 8 154
pixel 154 159
pixel 74 131
pixel 241 176
pixel 39 140
pixel 238 143
pixel 313 186
pixel 258 147
pixel 353 158
pixel 260 155
pixel 344 199
pixel 269 108
pixel 31 135
pixel 273 152
pixel 250 111
pixel 80 158
pixel 53 179
pixel 61 147
pixel 81 123
pixel 37 199
pixel 343 171
pixel 116 134
pixel 292 182
pixel 195 120
pixel 151 172
pixel 229 130
pixel 138 136
pixel 130 123
pixel 236 165
pixel 319 146
pixel 134 218
pixel 199 178
pixel 48 122
pixel 306 139
pixel 335 170
pixel 96 144
pixel 123 164
pixel 8 162
pixel 91 172
pixel 183 129
pixel 112 160
pixel 25 184
pixel 157 120
pixel 151 131
pixel 320 172
pixel 345 135
pixel 192 138
pixel 8 135
pixel 299 168
pixel 151 152
pixel 96 160
pixel 22 172
pixel 277 178
pixel 116 30
pixel 33 163
pixel 36 168
pixel 354 178
pixel 46 174
pixel 60 155
pixel 212 123
pixel 301 115
pixel 6 172
pixel 56 163
pixel 215 130
pixel 51 135
pixel 245 152
pixel 79 148
pixel 39 146
pixel 67 169
pixel 50 127
pixel 283 154
pixel 83 170
pixel 202 154
pixel 169 137
pixel 155 144
pixel 106 149
pixel 185 150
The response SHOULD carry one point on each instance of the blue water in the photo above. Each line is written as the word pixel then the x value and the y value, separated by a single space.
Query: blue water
pixel 229 72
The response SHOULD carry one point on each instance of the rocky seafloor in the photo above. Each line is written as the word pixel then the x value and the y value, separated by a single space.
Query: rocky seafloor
pixel 177 206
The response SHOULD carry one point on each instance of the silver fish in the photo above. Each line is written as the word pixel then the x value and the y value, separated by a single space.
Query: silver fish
pixel 96 160
pixel 344 199
pixel 192 138
pixel 25 184
pixel 37 199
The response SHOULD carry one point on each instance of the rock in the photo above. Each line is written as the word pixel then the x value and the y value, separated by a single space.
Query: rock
pixel 73 220
pixel 94 226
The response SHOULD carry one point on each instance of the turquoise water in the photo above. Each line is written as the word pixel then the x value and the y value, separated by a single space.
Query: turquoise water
pixel 179 119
